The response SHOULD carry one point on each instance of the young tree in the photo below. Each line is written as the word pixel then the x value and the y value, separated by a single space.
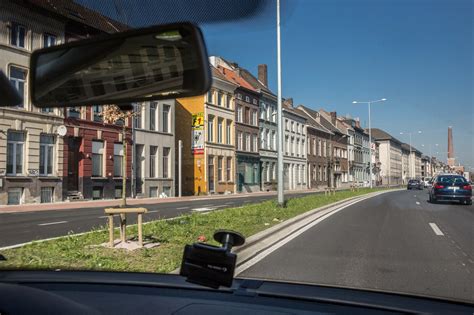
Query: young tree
pixel 112 114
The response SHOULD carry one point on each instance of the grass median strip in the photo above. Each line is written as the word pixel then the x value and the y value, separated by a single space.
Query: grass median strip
pixel 78 253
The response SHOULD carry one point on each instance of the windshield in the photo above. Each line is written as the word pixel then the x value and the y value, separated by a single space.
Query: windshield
pixel 313 169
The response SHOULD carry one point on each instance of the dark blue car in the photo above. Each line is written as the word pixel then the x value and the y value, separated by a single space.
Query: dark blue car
pixel 451 188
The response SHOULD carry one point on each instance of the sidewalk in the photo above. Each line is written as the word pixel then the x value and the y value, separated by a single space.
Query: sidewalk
pixel 65 205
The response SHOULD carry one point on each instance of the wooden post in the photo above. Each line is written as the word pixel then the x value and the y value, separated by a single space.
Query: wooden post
pixel 140 230
pixel 123 227
pixel 111 230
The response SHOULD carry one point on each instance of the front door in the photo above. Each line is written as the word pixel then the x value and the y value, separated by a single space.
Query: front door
pixel 73 163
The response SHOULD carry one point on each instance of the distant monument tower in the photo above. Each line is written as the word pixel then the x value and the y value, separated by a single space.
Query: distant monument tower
pixel 451 159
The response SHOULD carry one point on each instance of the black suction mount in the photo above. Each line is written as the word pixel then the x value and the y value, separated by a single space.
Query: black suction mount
pixel 209 265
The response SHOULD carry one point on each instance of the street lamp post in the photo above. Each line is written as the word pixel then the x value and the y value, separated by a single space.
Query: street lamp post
pixel 281 197
pixel 370 135
pixel 410 164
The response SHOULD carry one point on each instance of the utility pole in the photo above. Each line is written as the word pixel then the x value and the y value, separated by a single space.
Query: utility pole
pixel 281 197
pixel 180 162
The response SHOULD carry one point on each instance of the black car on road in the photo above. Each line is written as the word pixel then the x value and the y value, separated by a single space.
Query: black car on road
pixel 414 184
pixel 451 187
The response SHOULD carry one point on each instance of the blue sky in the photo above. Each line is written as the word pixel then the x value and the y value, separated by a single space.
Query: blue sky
pixel 416 53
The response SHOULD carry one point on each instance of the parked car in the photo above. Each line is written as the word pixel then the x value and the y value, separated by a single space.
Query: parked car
pixel 451 188
pixel 414 184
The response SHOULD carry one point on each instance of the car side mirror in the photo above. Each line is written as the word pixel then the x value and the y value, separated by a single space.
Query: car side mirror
pixel 159 62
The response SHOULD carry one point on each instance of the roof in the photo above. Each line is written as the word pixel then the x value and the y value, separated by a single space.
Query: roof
pixel 406 146
pixel 311 121
pixel 250 78
pixel 379 134
pixel 232 76
pixel 72 11
pixel 327 122
pixel 217 74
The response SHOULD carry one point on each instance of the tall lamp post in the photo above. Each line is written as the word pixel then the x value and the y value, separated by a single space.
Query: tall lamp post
pixel 410 164
pixel 370 134
pixel 281 197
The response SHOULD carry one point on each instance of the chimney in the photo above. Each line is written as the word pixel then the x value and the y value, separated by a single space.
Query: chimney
pixel 333 118
pixel 357 122
pixel 451 161
pixel 262 74
pixel 288 102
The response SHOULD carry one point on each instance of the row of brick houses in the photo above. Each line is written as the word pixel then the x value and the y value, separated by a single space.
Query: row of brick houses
pixel 229 135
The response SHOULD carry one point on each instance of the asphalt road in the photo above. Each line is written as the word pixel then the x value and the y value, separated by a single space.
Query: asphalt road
pixel 394 242
pixel 21 227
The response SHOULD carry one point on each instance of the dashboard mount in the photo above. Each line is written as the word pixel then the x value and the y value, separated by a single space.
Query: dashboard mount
pixel 209 265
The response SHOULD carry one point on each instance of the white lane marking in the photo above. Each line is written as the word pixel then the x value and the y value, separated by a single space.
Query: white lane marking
pixel 103 216
pixel 290 237
pixel 202 209
pixel 436 229
pixel 153 211
pixel 51 223
pixel 181 208
pixel 417 202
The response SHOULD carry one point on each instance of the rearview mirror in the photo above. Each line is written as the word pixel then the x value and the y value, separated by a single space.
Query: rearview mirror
pixel 154 63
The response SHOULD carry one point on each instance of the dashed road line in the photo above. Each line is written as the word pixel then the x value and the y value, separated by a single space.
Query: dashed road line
pixel 436 229
pixel 153 211
pixel 182 208
pixel 417 202
pixel 103 216
pixel 51 223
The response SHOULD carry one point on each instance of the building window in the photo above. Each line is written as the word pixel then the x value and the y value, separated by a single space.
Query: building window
pixel 18 35
pixel 210 128
pixel 153 159
pixel 49 40
pixel 262 136
pixel 220 161
pixel 239 96
pixel 15 196
pixel 255 102
pixel 274 144
pixel 247 142
pixel 153 116
pixel 46 194
pixel 239 113
pixel 209 96
pixel 46 154
pixel 165 117
pixel 118 159
pixel 153 192
pixel 255 174
pixel 166 162
pixel 229 132
pixel 18 80
pixel 297 127
pixel 219 98
pixel 263 111
pixel 73 112
pixel 118 192
pixel 137 120
pixel 269 141
pixel 247 99
pixel 220 130
pixel 254 118
pixel 298 152
pixel 229 169
pixel 97 110
pixel 293 126
pixel 287 125
pixel 227 100
pixel 46 110
pixel 97 193
pixel 167 191
pixel 239 140
pixel 247 115
pixel 255 143
pixel 97 158
pixel 15 146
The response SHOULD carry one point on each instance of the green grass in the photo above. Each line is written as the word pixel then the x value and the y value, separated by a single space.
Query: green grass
pixel 76 252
